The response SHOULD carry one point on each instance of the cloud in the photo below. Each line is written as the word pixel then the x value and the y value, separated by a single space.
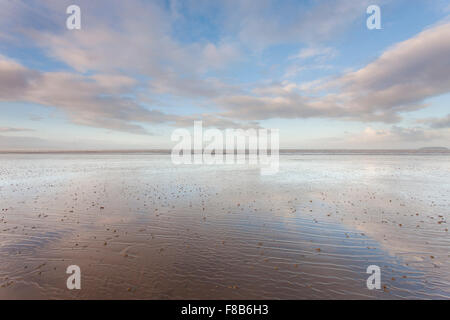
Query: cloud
pixel 394 137
pixel 191 87
pixel 247 107
pixel 219 56
pixel 87 100
pixel 315 52
pixel 398 135
pixel 14 78
pixel 136 36
pixel 264 23
pixel 438 123
pixel 98 100
pixel 308 58
pixel 412 134
pixel 9 129
pixel 25 143
pixel 218 122
pixel 400 80
pixel 278 100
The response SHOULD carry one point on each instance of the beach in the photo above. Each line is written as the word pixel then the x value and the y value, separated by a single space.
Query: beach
pixel 140 227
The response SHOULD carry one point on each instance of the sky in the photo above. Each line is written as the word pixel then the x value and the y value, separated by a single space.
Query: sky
pixel 137 70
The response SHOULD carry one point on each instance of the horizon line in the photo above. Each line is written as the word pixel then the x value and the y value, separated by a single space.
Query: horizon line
pixel 281 150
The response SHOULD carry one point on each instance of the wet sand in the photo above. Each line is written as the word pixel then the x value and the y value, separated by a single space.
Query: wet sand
pixel 142 228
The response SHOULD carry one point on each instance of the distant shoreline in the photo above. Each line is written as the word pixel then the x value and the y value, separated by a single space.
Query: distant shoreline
pixel 439 150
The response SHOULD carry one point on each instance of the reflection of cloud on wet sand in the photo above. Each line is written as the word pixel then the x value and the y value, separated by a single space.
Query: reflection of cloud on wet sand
pixel 140 227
